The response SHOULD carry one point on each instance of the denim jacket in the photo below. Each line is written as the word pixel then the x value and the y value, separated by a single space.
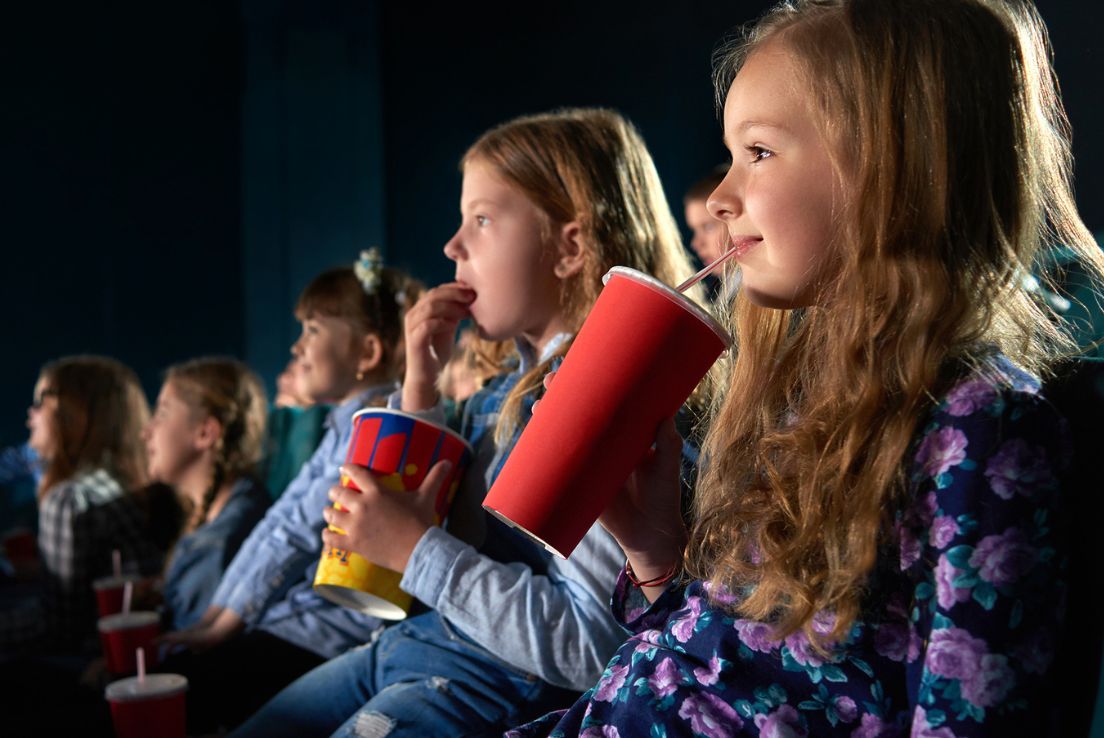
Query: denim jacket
pixel 200 557
pixel 546 616
pixel 269 582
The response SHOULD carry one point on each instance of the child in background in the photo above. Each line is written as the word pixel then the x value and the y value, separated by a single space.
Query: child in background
pixel 549 203
pixel 878 542
pixel 205 439
pixel 350 356
pixel 709 239
pixel 295 428
pixel 85 425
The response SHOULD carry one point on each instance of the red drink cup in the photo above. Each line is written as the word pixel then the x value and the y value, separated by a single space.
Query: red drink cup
pixel 400 449
pixel 152 707
pixel 20 546
pixel 109 592
pixel 122 633
pixel 640 353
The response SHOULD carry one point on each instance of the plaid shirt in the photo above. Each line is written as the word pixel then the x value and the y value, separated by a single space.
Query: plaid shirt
pixel 81 520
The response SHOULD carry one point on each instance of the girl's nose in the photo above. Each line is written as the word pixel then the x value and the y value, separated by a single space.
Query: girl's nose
pixel 725 202
pixel 454 249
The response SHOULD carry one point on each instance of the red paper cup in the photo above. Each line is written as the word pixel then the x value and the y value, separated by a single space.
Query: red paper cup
pixel 399 449
pixel 150 708
pixel 640 353
pixel 122 633
pixel 20 546
pixel 109 592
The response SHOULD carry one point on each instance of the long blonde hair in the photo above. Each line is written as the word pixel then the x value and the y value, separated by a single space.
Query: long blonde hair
pixel 228 391
pixel 101 413
pixel 945 120
pixel 587 165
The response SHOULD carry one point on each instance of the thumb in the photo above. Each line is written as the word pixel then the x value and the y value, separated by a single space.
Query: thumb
pixel 434 482
pixel 668 448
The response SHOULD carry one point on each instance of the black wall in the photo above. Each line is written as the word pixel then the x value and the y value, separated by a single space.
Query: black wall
pixel 175 172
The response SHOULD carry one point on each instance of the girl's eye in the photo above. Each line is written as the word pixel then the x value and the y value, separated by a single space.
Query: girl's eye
pixel 758 153
pixel 481 220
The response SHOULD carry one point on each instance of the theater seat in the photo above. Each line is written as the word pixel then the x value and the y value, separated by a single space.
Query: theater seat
pixel 1078 391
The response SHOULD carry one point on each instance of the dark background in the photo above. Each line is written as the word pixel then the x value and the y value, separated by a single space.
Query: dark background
pixel 174 175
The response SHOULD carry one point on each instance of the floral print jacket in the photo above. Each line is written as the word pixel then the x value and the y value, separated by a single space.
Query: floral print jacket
pixel 959 628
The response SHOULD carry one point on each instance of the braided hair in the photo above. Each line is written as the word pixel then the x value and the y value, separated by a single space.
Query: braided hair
pixel 228 391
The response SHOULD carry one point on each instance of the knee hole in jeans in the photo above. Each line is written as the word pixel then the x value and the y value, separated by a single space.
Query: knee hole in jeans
pixel 373 725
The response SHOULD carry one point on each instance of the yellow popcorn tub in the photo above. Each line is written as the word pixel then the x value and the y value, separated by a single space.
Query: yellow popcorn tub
pixel 399 449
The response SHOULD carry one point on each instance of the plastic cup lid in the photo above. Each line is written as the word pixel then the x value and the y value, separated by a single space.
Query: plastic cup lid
pixel 127 620
pixel 152 687
pixel 114 581
pixel 676 297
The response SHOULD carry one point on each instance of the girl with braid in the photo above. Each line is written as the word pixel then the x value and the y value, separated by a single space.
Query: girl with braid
pixel 206 438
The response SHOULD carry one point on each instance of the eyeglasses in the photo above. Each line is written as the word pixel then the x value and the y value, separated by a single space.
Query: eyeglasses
pixel 40 400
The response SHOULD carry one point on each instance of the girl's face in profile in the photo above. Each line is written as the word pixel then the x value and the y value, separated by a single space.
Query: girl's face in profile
pixel 327 359
pixel 780 196
pixel 170 436
pixel 502 252
pixel 42 420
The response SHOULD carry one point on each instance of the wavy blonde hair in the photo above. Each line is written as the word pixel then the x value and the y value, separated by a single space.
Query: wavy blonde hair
pixel 945 122
pixel 587 165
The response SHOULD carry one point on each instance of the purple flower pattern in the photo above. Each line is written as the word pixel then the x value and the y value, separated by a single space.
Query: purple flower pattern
pixel 1004 558
pixel 942 449
pixel 956 636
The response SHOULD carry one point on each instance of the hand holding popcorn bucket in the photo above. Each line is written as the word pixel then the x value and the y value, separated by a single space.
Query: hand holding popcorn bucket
pixel 399 449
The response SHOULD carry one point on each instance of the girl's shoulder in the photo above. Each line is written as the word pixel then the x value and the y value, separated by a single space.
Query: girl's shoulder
pixel 991 393
pixel 993 429
pixel 84 490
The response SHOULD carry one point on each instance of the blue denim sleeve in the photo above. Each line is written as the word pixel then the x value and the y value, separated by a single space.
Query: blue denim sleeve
pixel 285 542
pixel 557 626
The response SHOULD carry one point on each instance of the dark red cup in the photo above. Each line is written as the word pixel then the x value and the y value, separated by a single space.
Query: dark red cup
pixel 109 592
pixel 121 634
pixel 152 707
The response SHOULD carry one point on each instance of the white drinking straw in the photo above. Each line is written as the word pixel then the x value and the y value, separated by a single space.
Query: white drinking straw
pixel 117 562
pixel 128 592
pixel 707 270
pixel 140 657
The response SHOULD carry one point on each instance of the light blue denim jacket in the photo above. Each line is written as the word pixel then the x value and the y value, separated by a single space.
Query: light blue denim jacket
pixel 269 582
pixel 544 615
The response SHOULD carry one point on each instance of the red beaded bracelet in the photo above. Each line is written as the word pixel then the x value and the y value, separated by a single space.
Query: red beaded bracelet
pixel 661 579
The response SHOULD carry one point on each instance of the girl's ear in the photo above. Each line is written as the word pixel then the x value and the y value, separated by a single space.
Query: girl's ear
pixel 571 256
pixel 208 433
pixel 371 355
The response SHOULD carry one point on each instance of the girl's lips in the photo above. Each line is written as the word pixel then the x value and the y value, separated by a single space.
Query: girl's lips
pixel 743 244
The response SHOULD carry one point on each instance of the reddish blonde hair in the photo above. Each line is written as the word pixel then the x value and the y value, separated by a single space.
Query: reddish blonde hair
pixel 946 125
pixel 590 166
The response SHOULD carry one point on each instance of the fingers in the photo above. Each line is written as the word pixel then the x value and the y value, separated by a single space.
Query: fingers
pixel 362 480
pixel 331 539
pixel 447 301
pixel 547 382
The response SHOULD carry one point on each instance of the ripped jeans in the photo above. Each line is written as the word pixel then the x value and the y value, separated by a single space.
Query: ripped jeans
pixel 419 679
